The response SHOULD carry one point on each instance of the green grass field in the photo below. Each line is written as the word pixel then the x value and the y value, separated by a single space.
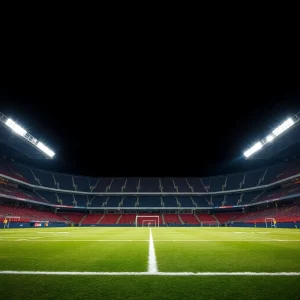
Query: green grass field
pixel 197 256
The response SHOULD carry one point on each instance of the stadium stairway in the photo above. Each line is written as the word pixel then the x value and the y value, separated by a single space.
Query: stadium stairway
pixel 179 217
pixel 118 219
pixel 197 218
pixel 100 219
pixel 163 219
pixel 80 222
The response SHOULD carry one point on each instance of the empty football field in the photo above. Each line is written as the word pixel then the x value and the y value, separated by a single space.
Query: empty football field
pixel 157 263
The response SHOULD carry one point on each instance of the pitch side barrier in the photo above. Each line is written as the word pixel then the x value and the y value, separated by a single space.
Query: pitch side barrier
pixel 36 187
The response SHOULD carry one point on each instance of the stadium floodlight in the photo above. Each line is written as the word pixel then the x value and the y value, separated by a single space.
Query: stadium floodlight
pixel 15 127
pixel 283 127
pixel 45 149
pixel 253 149
pixel 270 138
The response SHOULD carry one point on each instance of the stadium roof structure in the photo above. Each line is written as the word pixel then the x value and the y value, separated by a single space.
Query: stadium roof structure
pixel 15 139
pixel 282 143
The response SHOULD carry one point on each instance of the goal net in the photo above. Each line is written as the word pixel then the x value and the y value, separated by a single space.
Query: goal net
pixel 147 221
pixel 270 222
pixel 210 224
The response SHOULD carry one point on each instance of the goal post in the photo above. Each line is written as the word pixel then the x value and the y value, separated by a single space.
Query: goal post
pixel 270 222
pixel 210 224
pixel 147 221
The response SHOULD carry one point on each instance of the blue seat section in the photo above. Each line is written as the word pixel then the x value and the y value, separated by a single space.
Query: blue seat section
pixel 114 201
pixel 26 173
pixel 252 178
pixel 201 201
pixel 170 201
pixel 149 185
pixel 218 200
pixel 249 197
pixel 129 201
pixel 185 201
pixel 231 199
pixel 273 172
pixel 167 184
pixel 81 200
pixel 93 183
pixel 45 178
pixel 98 201
pixel 182 185
pixel 149 201
pixel 234 181
pixel 103 184
pixel 67 199
pixel 196 184
pixel 131 185
pixel 117 185
pixel 206 183
pixel 49 196
pixel 64 182
pixel 216 183
pixel 83 183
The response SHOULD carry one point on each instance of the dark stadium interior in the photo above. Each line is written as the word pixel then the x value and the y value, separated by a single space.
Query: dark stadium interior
pixel 131 161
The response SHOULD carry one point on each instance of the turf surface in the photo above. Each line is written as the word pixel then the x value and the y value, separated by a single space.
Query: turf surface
pixel 126 250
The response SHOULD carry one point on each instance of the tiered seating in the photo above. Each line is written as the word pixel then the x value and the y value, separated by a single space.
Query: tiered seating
pixel 225 217
pixel 189 219
pixel 131 185
pixel 167 185
pixel 201 201
pixel 8 169
pixel 216 183
pixel 171 218
pixel 182 185
pixel 110 219
pixel 234 181
pixel 74 217
pixel 117 185
pixel 92 219
pixel 15 192
pixel 170 201
pixel 27 214
pixel 196 185
pixel 149 185
pixel 149 201
pixel 185 201
pixel 127 219
pixel 206 217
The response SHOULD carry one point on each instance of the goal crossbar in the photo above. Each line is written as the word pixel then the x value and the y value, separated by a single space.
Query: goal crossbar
pixel 148 219
pixel 272 222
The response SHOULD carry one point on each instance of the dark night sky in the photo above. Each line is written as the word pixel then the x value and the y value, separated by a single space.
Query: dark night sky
pixel 177 127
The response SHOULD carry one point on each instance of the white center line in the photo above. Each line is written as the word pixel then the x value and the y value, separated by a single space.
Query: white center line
pixel 152 264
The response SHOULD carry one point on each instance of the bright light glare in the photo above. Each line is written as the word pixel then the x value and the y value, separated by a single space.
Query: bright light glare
pixel 45 149
pixel 270 138
pixel 253 149
pixel 15 127
pixel 283 127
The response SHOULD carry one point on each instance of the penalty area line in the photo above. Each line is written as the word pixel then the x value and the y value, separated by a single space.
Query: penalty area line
pixel 150 273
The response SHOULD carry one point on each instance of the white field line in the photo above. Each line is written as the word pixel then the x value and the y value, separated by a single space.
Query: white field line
pixel 31 239
pixel 152 263
pixel 151 274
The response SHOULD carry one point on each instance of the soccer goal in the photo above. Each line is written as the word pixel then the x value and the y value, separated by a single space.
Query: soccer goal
pixel 147 221
pixel 210 224
pixel 270 222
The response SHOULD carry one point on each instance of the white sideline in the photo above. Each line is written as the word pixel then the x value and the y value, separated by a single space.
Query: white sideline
pixel 151 273
pixel 152 263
